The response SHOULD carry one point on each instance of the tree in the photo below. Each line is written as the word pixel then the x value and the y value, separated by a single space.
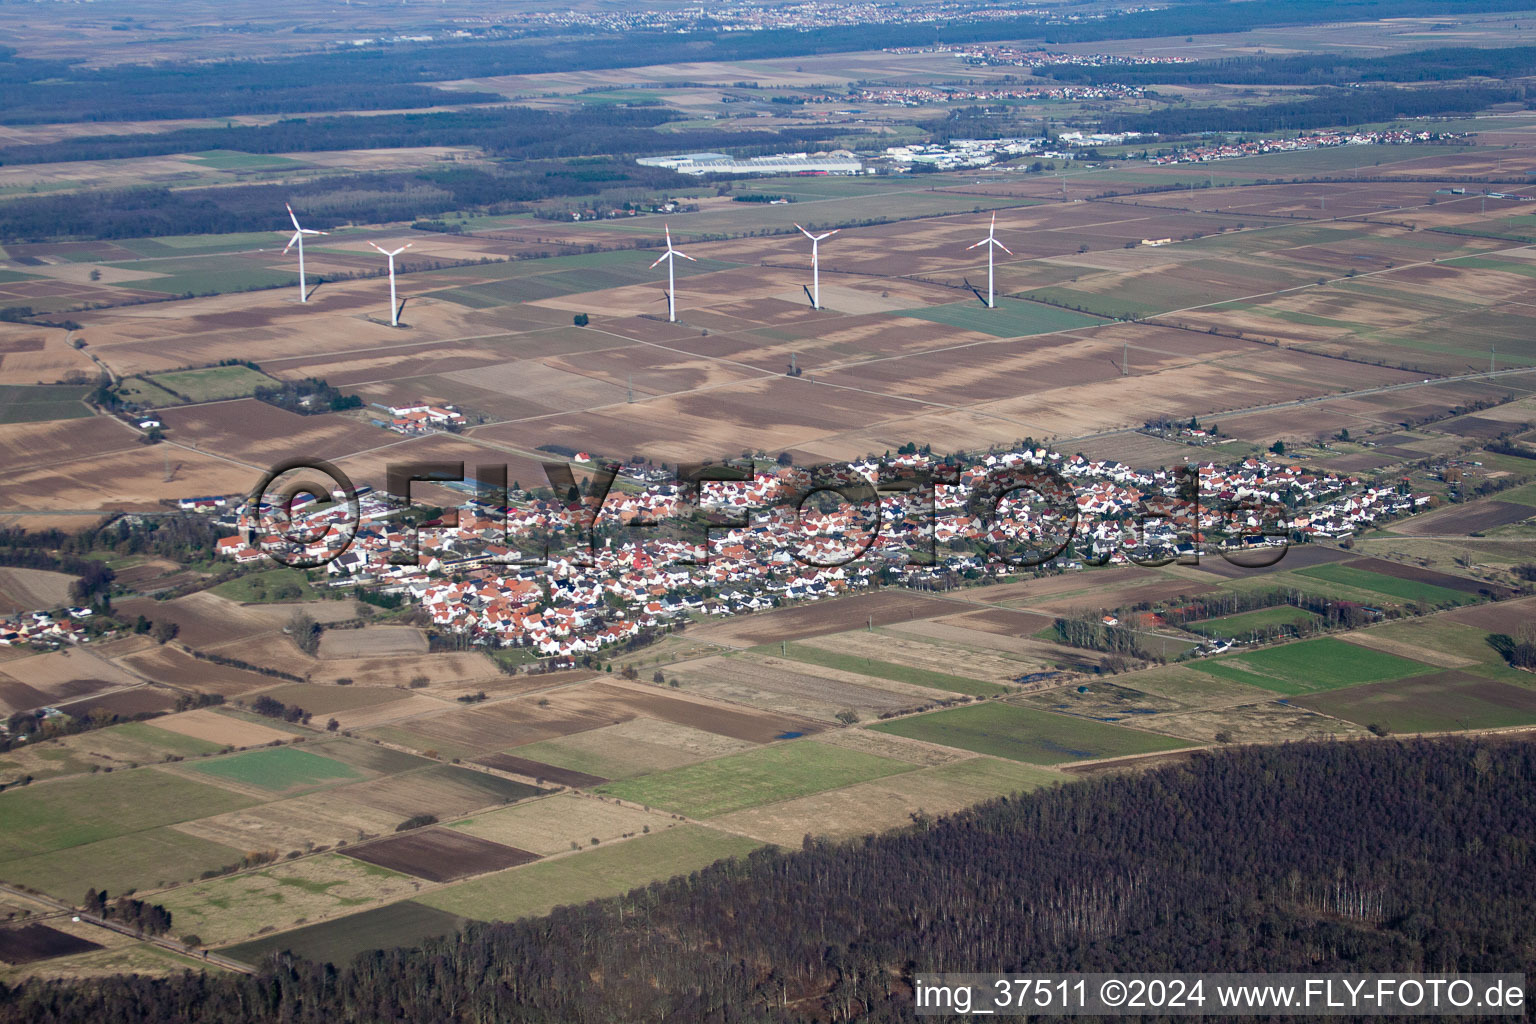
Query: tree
pixel 1278 447
pixel 580 319
pixel 164 630
pixel 305 632
pixel 332 725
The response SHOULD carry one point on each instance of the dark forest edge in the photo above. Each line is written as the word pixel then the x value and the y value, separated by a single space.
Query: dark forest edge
pixel 1358 856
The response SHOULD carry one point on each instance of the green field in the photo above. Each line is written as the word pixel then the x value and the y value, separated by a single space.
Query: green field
pixel 279 769
pixel 1112 305
pixel 1391 586
pixel 142 392
pixel 337 942
pixel 1024 734
pixel 272 585
pixel 1525 495
pixel 231 160
pixel 34 403
pixel 180 279
pixel 1430 703
pixel 1013 318
pixel 72 812
pixel 1244 623
pixel 753 777
pixel 1311 665
pixel 139 860
pixel 880 669
pixel 213 383
pixel 606 871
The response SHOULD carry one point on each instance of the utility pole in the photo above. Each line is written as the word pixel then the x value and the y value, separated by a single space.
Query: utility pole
pixel 631 387
pixel 1125 359
pixel 1491 351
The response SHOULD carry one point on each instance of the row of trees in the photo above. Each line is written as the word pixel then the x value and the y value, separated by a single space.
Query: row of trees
pixel 1350 857
pixel 147 918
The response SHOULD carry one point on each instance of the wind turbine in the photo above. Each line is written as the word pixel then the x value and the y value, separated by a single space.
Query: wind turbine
pixel 394 307
pixel 298 239
pixel 671 280
pixel 816 241
pixel 989 242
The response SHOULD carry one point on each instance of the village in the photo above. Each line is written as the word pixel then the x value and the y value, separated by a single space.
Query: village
pixel 544 575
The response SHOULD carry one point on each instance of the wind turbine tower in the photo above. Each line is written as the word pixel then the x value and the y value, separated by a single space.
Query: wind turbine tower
pixel 394 306
pixel 990 241
pixel 816 241
pixel 669 256
pixel 298 240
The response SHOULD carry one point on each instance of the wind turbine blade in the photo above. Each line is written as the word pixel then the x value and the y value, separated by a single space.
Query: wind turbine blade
pixel 297 236
pixel 311 231
pixel 684 255
pixel 377 247
pixel 1003 247
pixel 293 217
pixel 660 258
pixel 828 234
pixel 806 233
pixel 984 241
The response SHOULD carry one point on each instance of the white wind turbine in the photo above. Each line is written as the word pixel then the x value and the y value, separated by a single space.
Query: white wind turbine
pixel 671 278
pixel 394 306
pixel 989 242
pixel 298 239
pixel 816 240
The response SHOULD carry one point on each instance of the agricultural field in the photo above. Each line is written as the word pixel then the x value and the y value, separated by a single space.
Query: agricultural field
pixel 882 669
pixel 1025 734
pixel 636 747
pixel 122 746
pixel 1406 590
pixel 281 896
pixel 1437 702
pixel 1244 623
pixel 341 939
pixel 440 855
pixel 279 769
pixel 39 402
pixel 1326 663
pixel 563 822
pixel 213 383
pixel 606 871
pixel 768 774
pixel 890 802
pixel 73 812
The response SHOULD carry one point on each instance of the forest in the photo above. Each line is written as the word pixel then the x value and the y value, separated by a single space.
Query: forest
pixel 1354 856
pixel 326 203
pixel 519 132
pixel 1329 108
pixel 1434 65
